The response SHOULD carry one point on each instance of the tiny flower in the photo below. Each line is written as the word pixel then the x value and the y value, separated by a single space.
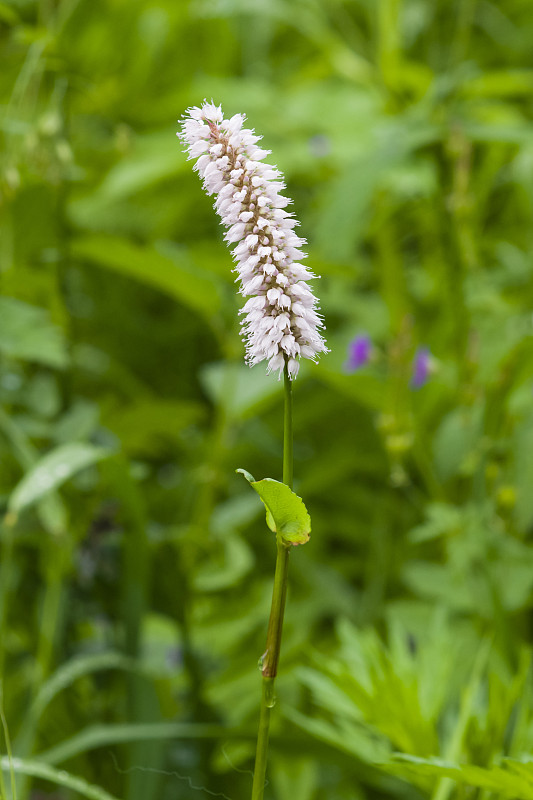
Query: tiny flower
pixel 421 367
pixel 359 352
pixel 281 323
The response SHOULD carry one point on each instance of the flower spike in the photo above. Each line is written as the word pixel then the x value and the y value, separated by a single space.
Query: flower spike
pixel 281 323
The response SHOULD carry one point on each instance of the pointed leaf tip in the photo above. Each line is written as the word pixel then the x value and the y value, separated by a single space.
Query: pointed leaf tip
pixel 250 478
pixel 286 513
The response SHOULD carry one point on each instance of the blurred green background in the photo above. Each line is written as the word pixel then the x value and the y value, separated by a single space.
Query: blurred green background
pixel 136 567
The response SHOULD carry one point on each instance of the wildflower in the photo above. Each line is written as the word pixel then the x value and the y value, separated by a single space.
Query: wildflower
pixel 281 323
pixel 359 352
pixel 421 367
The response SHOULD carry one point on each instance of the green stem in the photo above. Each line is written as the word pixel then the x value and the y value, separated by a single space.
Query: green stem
pixel 267 701
pixel 287 431
pixel 277 610
pixel 275 623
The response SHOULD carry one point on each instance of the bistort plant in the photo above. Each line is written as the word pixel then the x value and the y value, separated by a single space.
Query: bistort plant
pixel 281 326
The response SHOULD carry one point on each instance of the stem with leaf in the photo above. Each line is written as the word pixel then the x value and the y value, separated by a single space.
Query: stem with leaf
pixel 275 625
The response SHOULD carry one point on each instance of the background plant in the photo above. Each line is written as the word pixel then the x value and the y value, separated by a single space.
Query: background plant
pixel 135 578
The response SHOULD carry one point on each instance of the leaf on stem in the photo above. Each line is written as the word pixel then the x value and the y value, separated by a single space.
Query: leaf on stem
pixel 286 513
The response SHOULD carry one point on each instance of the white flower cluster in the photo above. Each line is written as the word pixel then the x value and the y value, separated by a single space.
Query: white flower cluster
pixel 281 323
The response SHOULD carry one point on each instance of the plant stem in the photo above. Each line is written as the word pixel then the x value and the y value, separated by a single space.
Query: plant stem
pixel 275 623
pixel 287 431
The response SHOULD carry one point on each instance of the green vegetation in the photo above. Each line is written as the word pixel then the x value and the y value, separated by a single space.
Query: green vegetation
pixel 135 564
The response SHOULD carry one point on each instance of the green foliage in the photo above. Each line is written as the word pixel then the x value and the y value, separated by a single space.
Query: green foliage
pixel 173 272
pixel 286 514
pixel 28 334
pixel 55 776
pixel 514 779
pixel 135 575
pixel 52 471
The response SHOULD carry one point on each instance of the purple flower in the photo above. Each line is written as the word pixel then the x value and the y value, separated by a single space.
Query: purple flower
pixel 359 352
pixel 421 367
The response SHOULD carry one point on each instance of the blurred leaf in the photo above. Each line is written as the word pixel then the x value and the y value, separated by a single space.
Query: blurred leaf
pixel 439 583
pixel 160 642
pixel 52 471
pixel 59 777
pixel 175 275
pixel 500 83
pixel 456 439
pixel 43 396
pixel 368 390
pixel 72 670
pixel 348 199
pixel 239 389
pixel 517 133
pixel 154 157
pixel 442 520
pixel 237 560
pixel 78 423
pixel 294 777
pixel 27 333
pixel 8 14
pixel 343 734
pixel 147 424
pixel 104 735
pixel 51 509
pixel 509 780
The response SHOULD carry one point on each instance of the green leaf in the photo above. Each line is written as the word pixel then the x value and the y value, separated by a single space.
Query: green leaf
pixel 52 512
pixel 346 735
pixel 507 780
pixel 154 157
pixel 347 199
pixel 500 83
pixel 36 769
pixel 53 470
pixel 294 777
pixel 27 333
pixel 236 560
pixel 442 520
pixel 241 391
pixel 456 440
pixel 76 668
pixel 148 424
pixel 172 271
pixel 97 736
pixel 8 14
pixel 286 513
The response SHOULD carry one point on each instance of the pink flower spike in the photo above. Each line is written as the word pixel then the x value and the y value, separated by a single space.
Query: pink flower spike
pixel 249 204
